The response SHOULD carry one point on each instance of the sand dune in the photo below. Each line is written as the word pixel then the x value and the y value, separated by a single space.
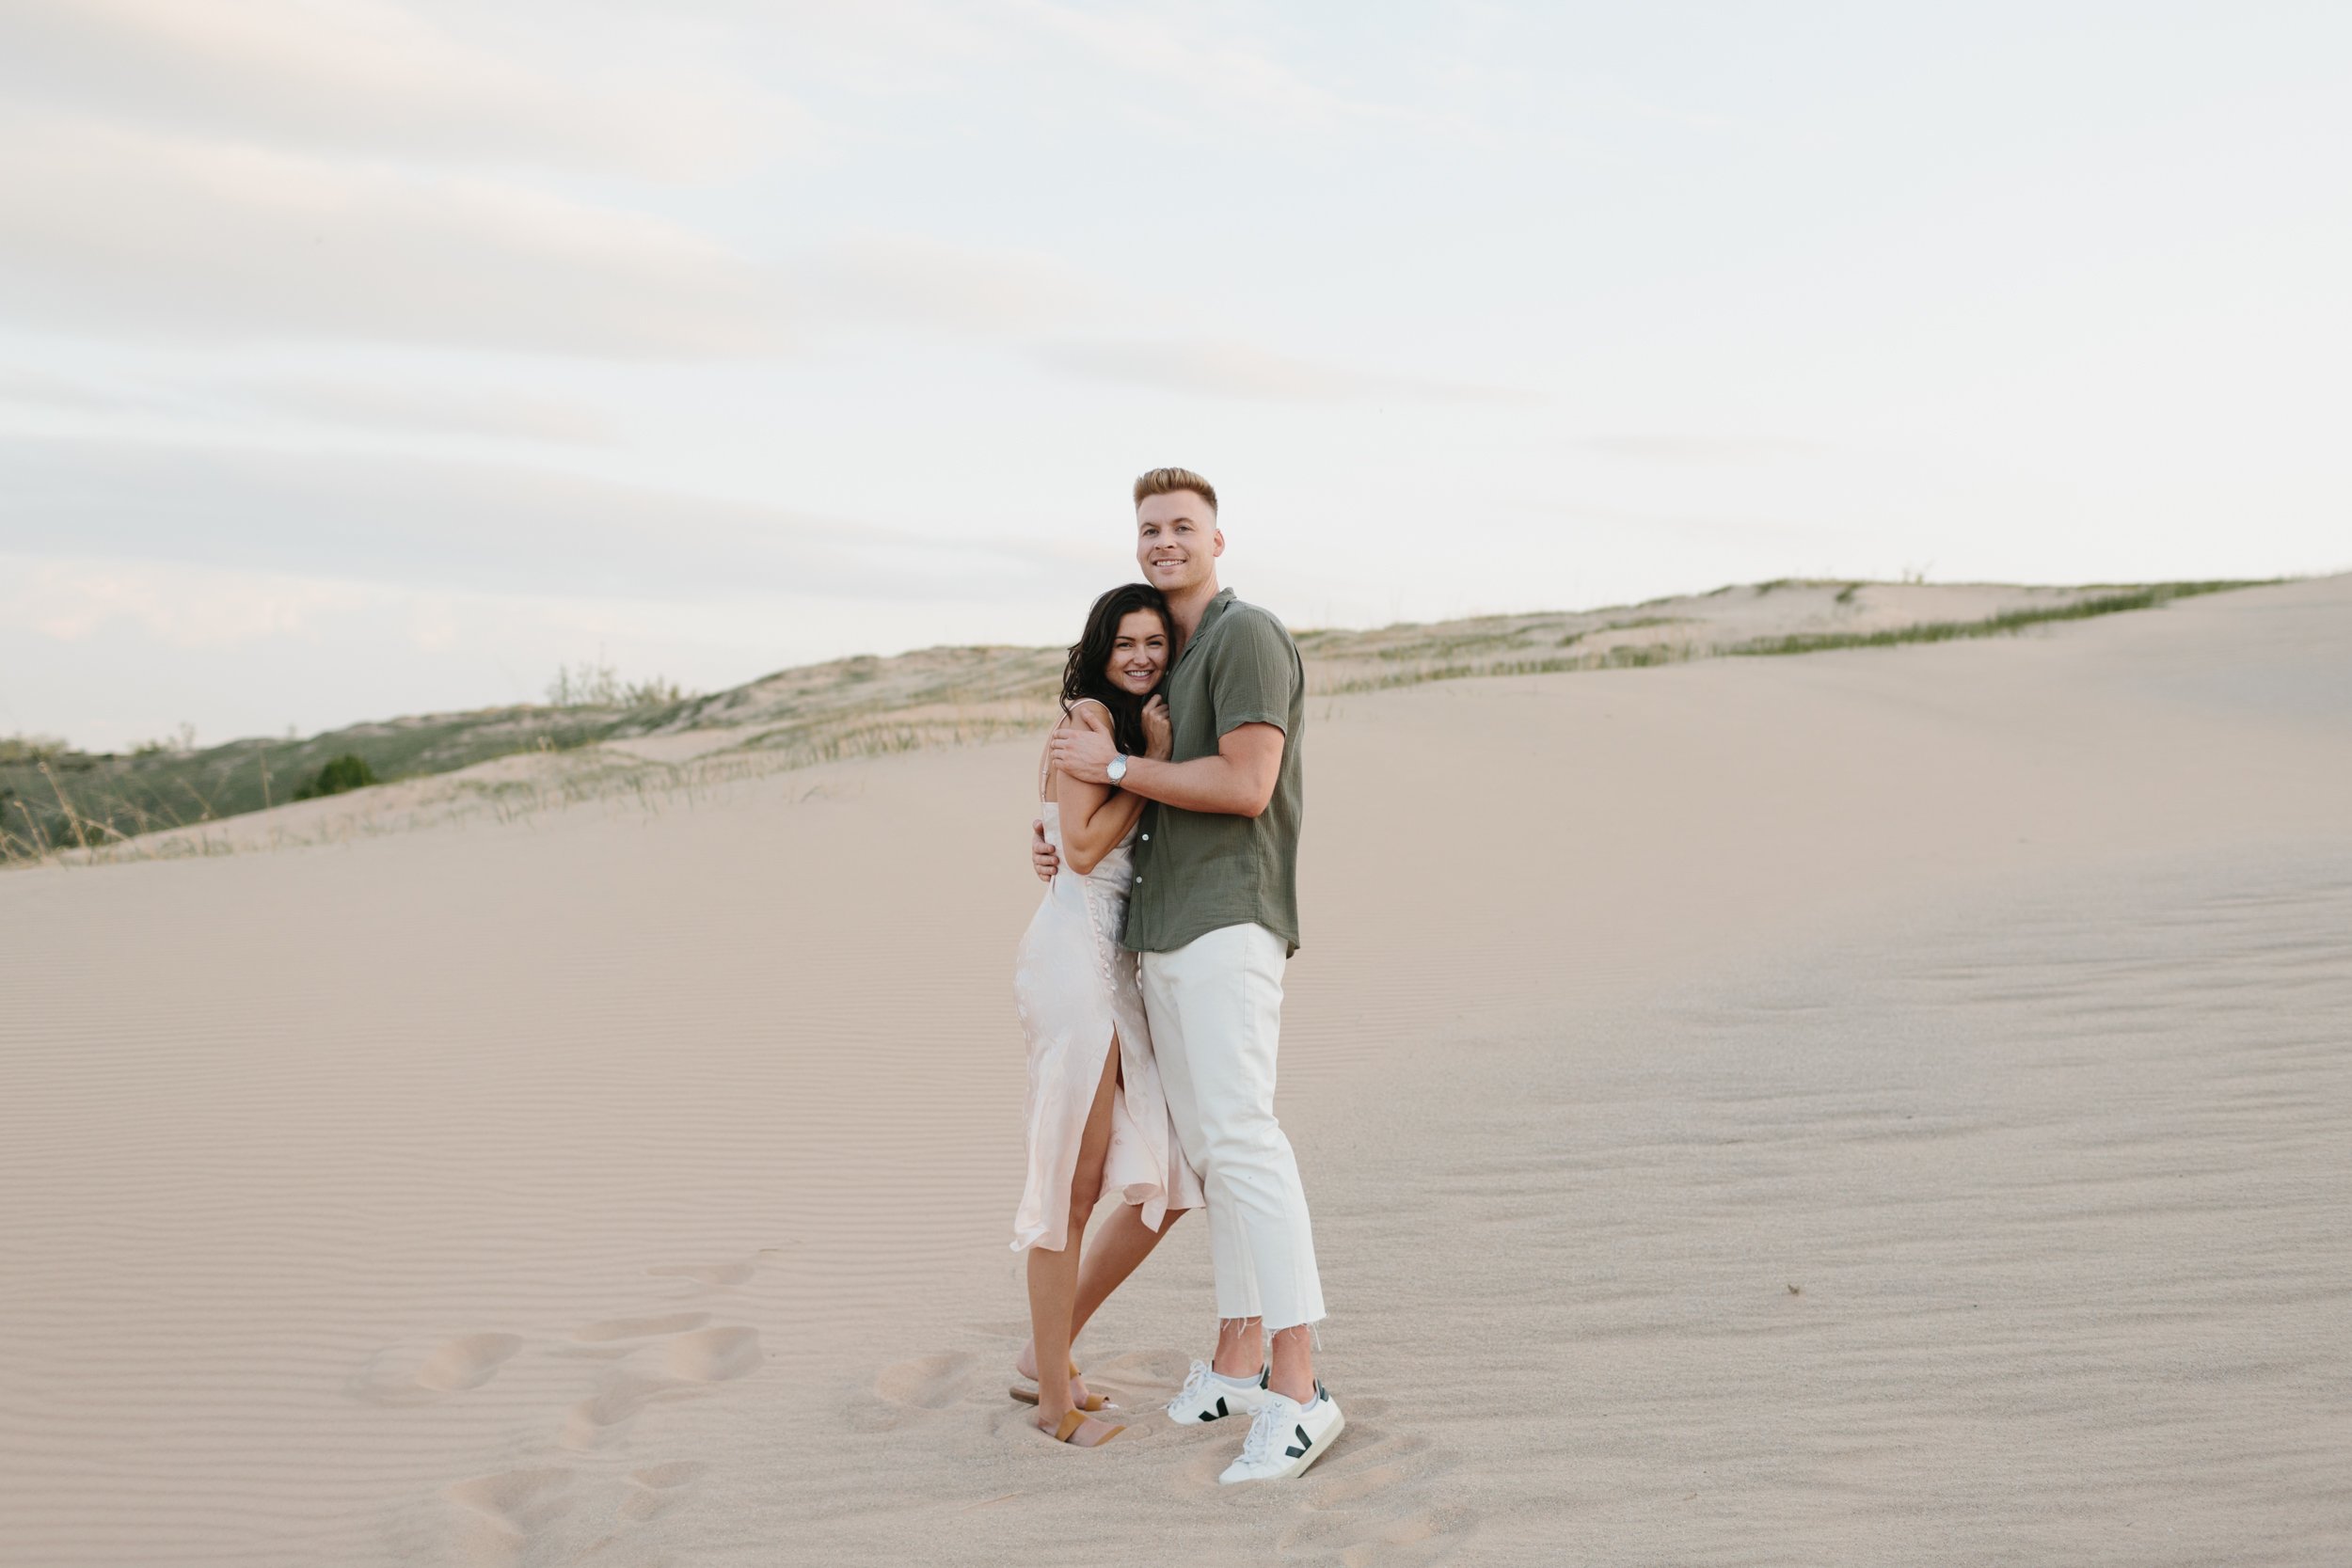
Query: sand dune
pixel 504 765
pixel 1887 1106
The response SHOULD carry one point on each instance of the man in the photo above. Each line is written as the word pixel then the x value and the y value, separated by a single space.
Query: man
pixel 1215 914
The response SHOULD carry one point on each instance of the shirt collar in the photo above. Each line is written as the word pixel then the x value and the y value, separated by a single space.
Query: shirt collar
pixel 1208 618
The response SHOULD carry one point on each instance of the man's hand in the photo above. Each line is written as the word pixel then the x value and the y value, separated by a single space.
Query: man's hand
pixel 1041 854
pixel 1083 754
pixel 1159 730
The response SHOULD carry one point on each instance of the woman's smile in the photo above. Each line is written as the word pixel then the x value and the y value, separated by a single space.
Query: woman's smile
pixel 1138 653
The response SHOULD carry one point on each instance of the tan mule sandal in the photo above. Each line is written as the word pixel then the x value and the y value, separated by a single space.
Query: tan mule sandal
pixel 1028 1395
pixel 1068 1429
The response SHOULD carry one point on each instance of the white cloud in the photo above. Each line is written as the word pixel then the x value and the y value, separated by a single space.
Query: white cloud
pixel 450 526
pixel 1221 82
pixel 383 409
pixel 358 75
pixel 1217 369
pixel 74 598
pixel 925 283
pixel 128 233
pixel 1764 533
pixel 38 392
pixel 1697 449
pixel 38 401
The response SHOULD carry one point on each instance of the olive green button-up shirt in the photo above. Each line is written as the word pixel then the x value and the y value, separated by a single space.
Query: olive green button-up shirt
pixel 1196 871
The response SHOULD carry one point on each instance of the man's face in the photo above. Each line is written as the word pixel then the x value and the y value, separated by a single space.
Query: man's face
pixel 1177 541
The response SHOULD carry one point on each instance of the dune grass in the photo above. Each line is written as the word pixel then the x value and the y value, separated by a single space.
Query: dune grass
pixel 1639 656
pixel 1647 655
pixel 2006 624
pixel 54 796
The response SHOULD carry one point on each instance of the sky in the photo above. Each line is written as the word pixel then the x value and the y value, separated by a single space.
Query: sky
pixel 366 358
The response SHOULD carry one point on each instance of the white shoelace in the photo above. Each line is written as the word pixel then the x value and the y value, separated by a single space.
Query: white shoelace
pixel 1196 1385
pixel 1268 1426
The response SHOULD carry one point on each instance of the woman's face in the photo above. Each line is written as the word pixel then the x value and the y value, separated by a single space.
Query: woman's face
pixel 1138 653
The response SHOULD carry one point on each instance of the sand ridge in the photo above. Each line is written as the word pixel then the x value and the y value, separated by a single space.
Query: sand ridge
pixel 506 765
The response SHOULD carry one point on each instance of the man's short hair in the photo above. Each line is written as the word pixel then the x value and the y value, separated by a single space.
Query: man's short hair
pixel 1167 482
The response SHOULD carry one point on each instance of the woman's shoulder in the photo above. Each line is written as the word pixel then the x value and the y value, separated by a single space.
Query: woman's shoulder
pixel 1090 710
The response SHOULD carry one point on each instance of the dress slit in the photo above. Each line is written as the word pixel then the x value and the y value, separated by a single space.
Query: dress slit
pixel 1080 998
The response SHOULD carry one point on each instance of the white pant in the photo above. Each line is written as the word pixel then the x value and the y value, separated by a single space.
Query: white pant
pixel 1215 1005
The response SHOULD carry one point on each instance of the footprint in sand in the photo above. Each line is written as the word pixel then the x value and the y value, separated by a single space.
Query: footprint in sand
pixel 1378 1500
pixel 499 1514
pixel 657 1489
pixel 713 1355
pixel 1137 1380
pixel 468 1361
pixel 408 1373
pixel 620 1395
pixel 504 1519
pixel 1134 1380
pixel 639 1328
pixel 927 1382
pixel 1342 1487
pixel 914 1390
pixel 683 1364
pixel 1412 1537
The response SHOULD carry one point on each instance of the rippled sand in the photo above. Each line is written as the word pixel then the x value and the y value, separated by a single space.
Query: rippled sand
pixel 1873 1107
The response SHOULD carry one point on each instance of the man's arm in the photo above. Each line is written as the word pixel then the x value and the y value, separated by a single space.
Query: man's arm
pixel 1237 781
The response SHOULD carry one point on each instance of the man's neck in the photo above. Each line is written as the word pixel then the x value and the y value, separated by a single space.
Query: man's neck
pixel 1189 605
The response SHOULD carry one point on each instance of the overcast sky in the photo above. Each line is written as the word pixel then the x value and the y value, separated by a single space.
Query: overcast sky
pixel 366 358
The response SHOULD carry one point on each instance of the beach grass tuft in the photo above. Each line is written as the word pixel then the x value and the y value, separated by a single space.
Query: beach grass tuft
pixel 2006 624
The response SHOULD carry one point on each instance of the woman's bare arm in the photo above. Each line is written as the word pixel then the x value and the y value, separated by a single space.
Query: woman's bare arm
pixel 1237 781
pixel 1094 816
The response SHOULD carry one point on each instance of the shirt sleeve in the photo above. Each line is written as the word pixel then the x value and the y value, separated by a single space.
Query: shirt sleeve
pixel 1256 677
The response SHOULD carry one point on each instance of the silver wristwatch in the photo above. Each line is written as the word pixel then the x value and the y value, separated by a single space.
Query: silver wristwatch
pixel 1117 770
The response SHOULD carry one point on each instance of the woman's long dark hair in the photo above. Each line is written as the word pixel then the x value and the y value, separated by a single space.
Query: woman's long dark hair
pixel 1091 656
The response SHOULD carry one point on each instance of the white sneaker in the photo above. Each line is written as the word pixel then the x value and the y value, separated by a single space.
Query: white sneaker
pixel 1286 1437
pixel 1211 1396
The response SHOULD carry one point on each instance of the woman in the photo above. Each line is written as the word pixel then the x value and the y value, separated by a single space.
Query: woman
pixel 1097 1120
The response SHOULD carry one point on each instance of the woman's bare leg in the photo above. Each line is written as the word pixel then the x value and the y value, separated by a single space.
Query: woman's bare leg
pixel 1054 1275
pixel 1114 1252
pixel 1111 1253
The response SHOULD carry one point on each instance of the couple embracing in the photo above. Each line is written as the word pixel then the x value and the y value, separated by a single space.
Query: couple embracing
pixel 1150 986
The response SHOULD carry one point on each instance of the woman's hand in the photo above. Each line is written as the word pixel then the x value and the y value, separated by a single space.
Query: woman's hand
pixel 1159 731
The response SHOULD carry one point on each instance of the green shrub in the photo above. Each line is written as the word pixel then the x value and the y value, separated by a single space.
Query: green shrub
pixel 348 772
pixel 31 748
